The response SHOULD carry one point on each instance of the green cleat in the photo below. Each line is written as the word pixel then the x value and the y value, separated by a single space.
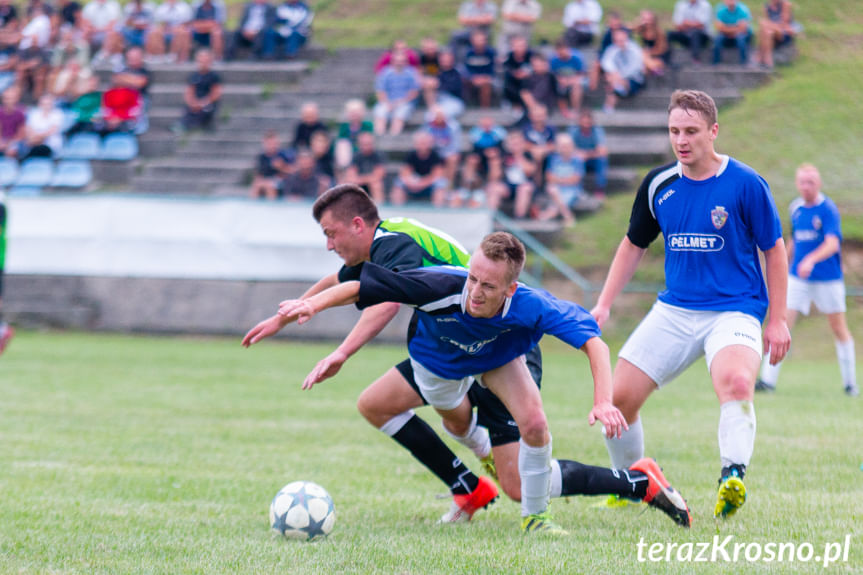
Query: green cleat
pixel 617 502
pixel 731 496
pixel 542 523
pixel 488 466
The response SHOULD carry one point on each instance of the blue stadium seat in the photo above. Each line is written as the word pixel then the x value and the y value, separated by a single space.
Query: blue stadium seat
pixel 35 173
pixel 70 117
pixel 72 174
pixel 8 171
pixel 81 146
pixel 119 147
pixel 24 191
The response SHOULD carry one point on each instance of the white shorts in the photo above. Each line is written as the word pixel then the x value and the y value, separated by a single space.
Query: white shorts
pixel 439 392
pixel 828 297
pixel 669 339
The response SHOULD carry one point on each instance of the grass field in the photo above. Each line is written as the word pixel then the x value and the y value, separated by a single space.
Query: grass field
pixel 126 455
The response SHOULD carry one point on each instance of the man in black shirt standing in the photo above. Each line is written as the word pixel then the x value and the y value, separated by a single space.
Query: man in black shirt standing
pixel 421 178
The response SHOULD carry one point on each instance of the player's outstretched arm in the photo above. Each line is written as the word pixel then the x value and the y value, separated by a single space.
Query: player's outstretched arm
pixel 777 336
pixel 267 328
pixel 603 409
pixel 302 310
pixel 625 262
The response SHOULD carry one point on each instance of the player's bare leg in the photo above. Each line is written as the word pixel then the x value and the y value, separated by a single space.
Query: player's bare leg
pixel 845 353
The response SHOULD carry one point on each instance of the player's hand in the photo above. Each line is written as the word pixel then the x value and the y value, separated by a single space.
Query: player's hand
pixel 326 368
pixel 610 417
pixel 804 269
pixel 600 314
pixel 299 310
pixel 266 328
pixel 777 340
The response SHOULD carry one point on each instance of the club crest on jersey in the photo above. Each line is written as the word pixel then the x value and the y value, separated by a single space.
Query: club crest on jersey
pixel 816 222
pixel 718 217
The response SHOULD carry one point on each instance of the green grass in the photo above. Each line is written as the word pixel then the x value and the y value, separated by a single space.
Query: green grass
pixel 160 455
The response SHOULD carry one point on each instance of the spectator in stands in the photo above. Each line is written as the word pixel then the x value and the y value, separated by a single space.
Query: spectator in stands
pixel 10 25
pixel 447 140
pixel 347 139
pixel 517 19
pixel 581 22
pixel 138 21
pixel 273 165
pixel 776 28
pixel 569 71
pixel 516 71
pixel 733 28
pixel 202 95
pixel 486 140
pixel 256 26
pixel 170 38
pixel 540 88
pixel 33 51
pixel 421 177
pixel 428 58
pixel 447 89
pixel 13 123
pixel 70 45
pixel 613 22
pixel 293 26
pixel 305 183
pixel 321 147
pixel 208 18
pixel 68 13
pixel 43 131
pixel 100 20
pixel 515 178
pixel 87 108
pixel 692 23
pixel 397 88
pixel 473 16
pixel 539 137
pixel 368 168
pixel 68 82
pixel 623 66
pixel 310 122
pixel 590 146
pixel 479 67
pixel 136 76
pixel 657 54
pixel 399 46
pixel 564 178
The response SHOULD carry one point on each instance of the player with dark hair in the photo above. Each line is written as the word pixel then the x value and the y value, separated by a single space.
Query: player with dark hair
pixel 475 326
pixel 6 331
pixel 714 213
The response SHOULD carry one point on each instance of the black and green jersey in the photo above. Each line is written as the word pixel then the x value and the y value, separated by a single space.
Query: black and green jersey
pixel 406 244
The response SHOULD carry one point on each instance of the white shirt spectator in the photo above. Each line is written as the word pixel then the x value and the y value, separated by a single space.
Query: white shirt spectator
pixel 102 14
pixel 41 123
pixel 698 11
pixel 525 8
pixel 628 61
pixel 583 10
pixel 37 33
pixel 472 10
pixel 173 13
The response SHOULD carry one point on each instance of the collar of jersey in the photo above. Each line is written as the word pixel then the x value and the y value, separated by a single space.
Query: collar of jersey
pixel 719 172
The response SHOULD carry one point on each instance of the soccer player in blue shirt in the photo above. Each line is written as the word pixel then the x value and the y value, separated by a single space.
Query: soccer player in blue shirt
pixel 476 325
pixel 714 213
pixel 816 274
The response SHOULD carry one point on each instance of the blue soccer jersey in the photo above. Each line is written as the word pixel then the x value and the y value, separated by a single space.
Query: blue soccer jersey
pixel 809 226
pixel 452 344
pixel 712 229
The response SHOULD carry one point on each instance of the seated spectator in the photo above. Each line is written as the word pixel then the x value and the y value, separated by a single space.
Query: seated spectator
pixel 539 137
pixel 733 28
pixel 569 72
pixel 399 47
pixel 8 66
pixel 33 51
pixel 590 146
pixel 10 25
pixel 68 82
pixel 100 20
pixel 170 38
pixel 623 66
pixel 368 168
pixel 138 21
pixel 540 88
pixel 429 66
pixel 515 179
pixel 305 183
pixel 447 89
pixel 208 18
pixel 321 147
pixel 71 45
pixel 692 23
pixel 563 186
pixel 473 16
pixel 136 76
pixel 421 178
pixel 13 124
pixel 347 140
pixel 516 71
pixel 68 13
pixel 43 135
pixel 256 24
pixel 486 140
pixel 776 28
pixel 447 139
pixel 310 122
pixel 273 165
pixel 202 95
pixel 581 22
pixel 293 27
pixel 517 19
pixel 397 88
pixel 87 108
pixel 613 22
pixel 121 110
pixel 657 54
pixel 479 67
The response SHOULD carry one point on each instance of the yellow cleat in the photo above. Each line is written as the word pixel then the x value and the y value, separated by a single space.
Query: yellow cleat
pixel 617 502
pixel 731 497
pixel 488 466
pixel 542 523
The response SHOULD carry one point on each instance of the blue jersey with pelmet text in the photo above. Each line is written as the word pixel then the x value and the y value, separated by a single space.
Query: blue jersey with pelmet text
pixel 809 226
pixel 712 229
pixel 452 344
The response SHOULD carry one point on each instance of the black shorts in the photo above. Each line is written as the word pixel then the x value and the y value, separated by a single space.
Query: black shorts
pixel 490 411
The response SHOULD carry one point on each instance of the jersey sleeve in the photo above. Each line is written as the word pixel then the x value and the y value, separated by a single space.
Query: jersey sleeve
pixel 643 227
pixel 761 213
pixel 565 320
pixel 830 221
pixel 396 252
pixel 415 287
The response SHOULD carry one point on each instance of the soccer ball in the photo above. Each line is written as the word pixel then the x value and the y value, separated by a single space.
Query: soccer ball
pixel 302 510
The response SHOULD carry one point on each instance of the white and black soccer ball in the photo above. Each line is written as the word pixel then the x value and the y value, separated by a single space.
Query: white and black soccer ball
pixel 302 510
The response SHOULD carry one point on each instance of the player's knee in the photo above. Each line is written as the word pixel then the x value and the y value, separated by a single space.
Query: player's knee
pixel 370 408
pixel 739 385
pixel 534 429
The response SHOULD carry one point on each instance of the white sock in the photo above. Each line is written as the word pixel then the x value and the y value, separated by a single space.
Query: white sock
pixel 769 373
pixel 534 467
pixel 476 439
pixel 629 448
pixel 736 432
pixel 556 487
pixel 393 426
pixel 847 362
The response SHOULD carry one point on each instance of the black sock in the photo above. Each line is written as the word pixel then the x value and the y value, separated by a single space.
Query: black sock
pixel 737 469
pixel 419 438
pixel 580 479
